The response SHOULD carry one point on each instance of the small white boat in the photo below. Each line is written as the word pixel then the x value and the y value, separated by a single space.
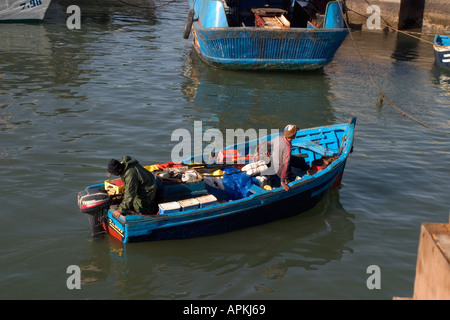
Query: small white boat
pixel 23 10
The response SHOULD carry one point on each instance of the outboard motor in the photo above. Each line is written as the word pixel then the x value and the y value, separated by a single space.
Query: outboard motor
pixel 95 202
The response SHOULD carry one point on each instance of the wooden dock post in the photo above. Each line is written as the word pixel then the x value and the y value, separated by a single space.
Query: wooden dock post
pixel 432 281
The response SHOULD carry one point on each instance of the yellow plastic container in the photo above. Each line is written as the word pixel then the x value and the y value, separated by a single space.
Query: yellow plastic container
pixel 151 168
pixel 114 186
pixel 217 173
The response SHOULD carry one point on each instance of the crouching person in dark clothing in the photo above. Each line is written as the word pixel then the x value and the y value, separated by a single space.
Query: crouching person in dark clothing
pixel 140 187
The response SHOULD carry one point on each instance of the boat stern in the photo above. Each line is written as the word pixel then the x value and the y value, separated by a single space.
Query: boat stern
pixel 94 202
pixel 115 226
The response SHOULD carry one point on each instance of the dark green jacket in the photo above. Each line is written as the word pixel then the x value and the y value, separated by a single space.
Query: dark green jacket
pixel 140 188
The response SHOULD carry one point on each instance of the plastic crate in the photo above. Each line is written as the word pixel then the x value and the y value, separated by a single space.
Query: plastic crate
pixel 206 201
pixel 189 204
pixel 169 207
pixel 115 185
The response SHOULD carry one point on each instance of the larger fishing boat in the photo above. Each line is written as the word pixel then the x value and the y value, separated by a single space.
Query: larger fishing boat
pixel 23 10
pixel 216 196
pixel 266 35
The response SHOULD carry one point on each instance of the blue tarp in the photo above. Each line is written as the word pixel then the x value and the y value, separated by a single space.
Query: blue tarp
pixel 237 183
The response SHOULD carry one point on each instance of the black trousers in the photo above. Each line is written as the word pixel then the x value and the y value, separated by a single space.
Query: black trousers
pixel 298 162
pixel 295 162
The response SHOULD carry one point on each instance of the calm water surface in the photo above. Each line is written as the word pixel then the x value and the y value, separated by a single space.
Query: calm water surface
pixel 72 99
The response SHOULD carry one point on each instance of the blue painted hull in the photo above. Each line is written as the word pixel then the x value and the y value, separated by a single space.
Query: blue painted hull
pixel 442 51
pixel 246 45
pixel 260 49
pixel 260 207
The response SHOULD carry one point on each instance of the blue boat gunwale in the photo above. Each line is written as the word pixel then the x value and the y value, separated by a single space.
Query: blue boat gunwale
pixel 442 40
pixel 275 31
pixel 260 194
pixel 441 44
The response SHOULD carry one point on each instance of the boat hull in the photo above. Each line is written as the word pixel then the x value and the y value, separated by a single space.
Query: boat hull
pixel 232 217
pixel 442 51
pixel 265 49
pixel 23 10
pixel 442 57
pixel 251 35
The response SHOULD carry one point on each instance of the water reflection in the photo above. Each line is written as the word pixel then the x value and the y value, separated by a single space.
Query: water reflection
pixel 406 48
pixel 103 11
pixel 49 56
pixel 266 99
pixel 198 268
pixel 25 49
pixel 440 77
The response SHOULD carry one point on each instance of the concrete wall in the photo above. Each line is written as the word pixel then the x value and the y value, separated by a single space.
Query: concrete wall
pixel 436 16
pixel 389 10
pixel 429 15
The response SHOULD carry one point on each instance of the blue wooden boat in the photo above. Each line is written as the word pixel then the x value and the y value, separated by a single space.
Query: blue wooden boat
pixel 204 208
pixel 266 35
pixel 442 50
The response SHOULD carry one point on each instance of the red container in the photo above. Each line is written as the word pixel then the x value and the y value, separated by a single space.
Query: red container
pixel 318 165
